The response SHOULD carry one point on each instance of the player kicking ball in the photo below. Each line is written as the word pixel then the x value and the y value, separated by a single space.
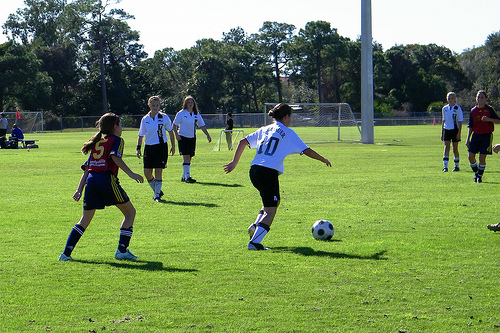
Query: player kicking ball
pixel 273 142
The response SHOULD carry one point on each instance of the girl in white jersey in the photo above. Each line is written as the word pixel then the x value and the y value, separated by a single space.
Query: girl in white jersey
pixel 185 123
pixel 451 131
pixel 273 142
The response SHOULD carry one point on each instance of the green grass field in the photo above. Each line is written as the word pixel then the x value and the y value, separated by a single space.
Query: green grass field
pixel 411 252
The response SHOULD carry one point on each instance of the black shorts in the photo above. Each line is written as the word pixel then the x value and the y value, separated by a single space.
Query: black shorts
pixel 266 181
pixel 187 146
pixel 451 135
pixel 103 189
pixel 3 131
pixel 155 156
pixel 481 143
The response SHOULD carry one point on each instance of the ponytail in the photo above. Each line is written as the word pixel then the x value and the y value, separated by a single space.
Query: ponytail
pixel 89 145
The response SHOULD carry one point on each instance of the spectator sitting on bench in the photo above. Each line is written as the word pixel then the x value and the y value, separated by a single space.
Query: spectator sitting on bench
pixel 17 132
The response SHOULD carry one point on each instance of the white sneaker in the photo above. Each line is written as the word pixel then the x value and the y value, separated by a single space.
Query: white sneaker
pixel 125 256
pixel 64 257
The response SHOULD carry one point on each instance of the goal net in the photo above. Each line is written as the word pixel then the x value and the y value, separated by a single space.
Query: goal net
pixel 28 121
pixel 228 139
pixel 323 122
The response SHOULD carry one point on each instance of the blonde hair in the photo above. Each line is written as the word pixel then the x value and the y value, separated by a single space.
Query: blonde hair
pixel 195 106
pixel 451 93
pixel 154 98
pixel 106 125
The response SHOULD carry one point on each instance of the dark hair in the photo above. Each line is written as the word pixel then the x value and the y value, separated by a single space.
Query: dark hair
pixel 229 114
pixel 482 92
pixel 280 111
pixel 106 125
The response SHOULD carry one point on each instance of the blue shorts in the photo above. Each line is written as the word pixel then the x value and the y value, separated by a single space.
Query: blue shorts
pixel 481 143
pixel 103 189
pixel 266 181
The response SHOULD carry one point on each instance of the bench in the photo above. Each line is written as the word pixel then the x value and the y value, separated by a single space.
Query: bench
pixel 27 142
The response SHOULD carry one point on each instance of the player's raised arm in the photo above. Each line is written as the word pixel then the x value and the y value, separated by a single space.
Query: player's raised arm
pixel 312 154
pixel 237 154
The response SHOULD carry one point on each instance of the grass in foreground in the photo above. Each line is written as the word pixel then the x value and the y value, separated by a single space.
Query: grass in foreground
pixel 411 252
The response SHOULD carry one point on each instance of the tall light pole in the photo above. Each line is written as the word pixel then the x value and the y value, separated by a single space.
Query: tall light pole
pixel 367 134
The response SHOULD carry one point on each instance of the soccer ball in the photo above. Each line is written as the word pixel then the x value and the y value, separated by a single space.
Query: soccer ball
pixel 322 230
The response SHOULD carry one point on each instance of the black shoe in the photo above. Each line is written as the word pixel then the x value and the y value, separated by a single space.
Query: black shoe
pixel 183 179
pixel 445 169
pixel 456 169
pixel 479 179
pixel 157 199
pixel 257 247
pixel 190 180
pixel 494 227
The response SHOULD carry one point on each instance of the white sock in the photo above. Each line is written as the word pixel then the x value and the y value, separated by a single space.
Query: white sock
pixel 259 235
pixel 158 185
pixel 152 183
pixel 186 172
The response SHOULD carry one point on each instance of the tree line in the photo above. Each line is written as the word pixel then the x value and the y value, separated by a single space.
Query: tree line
pixel 82 58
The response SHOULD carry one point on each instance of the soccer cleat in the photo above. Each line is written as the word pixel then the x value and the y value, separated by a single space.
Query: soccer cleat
pixel 183 179
pixel 190 180
pixel 64 257
pixel 256 246
pixel 494 227
pixel 161 194
pixel 251 230
pixel 445 169
pixel 455 169
pixel 125 256
pixel 157 199
pixel 479 179
pixel 475 179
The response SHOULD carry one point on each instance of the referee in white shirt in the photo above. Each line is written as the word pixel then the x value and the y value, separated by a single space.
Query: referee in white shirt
pixel 185 123
pixel 154 126
pixel 451 131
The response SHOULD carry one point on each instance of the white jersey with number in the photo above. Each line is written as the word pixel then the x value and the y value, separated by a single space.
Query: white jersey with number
pixel 154 128
pixel 274 142
pixel 187 122
pixel 452 116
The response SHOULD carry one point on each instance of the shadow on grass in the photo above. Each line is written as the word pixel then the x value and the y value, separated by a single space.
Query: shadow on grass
pixel 219 184
pixel 307 251
pixel 138 264
pixel 183 203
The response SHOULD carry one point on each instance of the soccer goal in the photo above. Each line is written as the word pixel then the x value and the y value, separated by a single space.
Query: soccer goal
pixel 28 121
pixel 323 122
pixel 228 139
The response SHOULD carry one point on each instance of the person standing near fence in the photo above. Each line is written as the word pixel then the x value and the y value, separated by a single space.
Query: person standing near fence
pixel 451 130
pixel 229 129
pixel 480 136
pixel 154 127
pixel 102 188
pixel 185 123
pixel 3 130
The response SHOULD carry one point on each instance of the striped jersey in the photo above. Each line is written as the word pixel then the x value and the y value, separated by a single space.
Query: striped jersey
pixel 155 129
pixel 452 116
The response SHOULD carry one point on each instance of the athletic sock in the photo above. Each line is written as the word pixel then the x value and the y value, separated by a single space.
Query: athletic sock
pixel 445 161
pixel 152 183
pixel 157 188
pixel 474 167
pixel 260 233
pixel 73 238
pixel 480 170
pixel 125 235
pixel 186 170
pixel 457 162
